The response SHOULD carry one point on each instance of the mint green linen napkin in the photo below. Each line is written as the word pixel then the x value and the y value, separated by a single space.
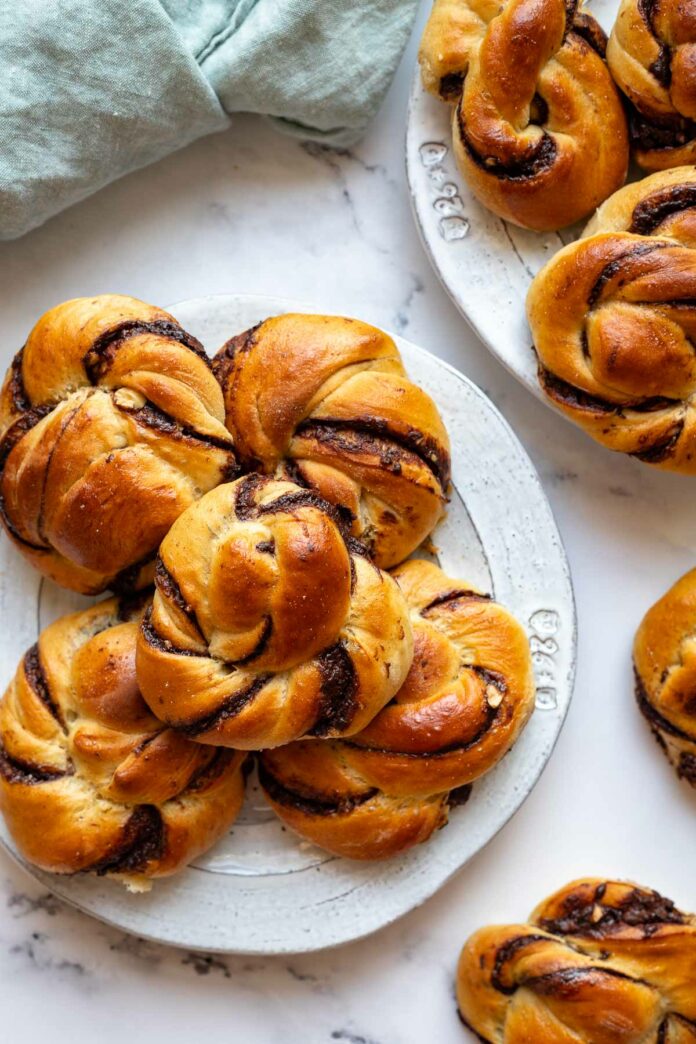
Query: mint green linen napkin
pixel 92 89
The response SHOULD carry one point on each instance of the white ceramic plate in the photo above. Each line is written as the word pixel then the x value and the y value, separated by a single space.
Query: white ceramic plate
pixel 485 264
pixel 261 890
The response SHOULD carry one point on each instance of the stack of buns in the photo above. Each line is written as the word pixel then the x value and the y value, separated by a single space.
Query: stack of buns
pixel 265 493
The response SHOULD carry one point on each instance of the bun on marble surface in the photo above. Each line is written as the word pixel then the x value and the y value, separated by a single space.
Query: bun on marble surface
pixel 467 696
pixel 111 424
pixel 268 623
pixel 538 126
pixel 664 656
pixel 652 57
pixel 612 318
pixel 325 402
pixel 90 780
pixel 599 962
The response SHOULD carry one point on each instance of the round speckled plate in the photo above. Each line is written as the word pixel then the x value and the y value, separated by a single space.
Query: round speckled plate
pixel 485 264
pixel 261 890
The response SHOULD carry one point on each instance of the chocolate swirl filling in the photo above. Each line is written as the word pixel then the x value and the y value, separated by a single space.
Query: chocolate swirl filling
pixel 99 358
pixel 143 840
pixel 537 160
pixel 36 677
pixel 310 804
pixel 590 919
pixel 15 770
pixel 375 436
pixel 339 685
pixel 656 208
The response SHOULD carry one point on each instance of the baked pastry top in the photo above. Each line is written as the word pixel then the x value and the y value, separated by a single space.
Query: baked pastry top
pixel 600 962
pixel 538 126
pixel 467 696
pixel 111 424
pixel 325 402
pixel 652 57
pixel 613 315
pixel 89 778
pixel 267 625
pixel 664 656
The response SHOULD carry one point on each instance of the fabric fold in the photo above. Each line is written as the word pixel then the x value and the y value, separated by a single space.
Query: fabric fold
pixel 89 92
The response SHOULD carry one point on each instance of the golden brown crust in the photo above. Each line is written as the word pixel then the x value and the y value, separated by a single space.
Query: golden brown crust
pixel 600 962
pixel 467 696
pixel 652 57
pixel 266 625
pixel 612 317
pixel 89 778
pixel 325 402
pixel 664 656
pixel 538 127
pixel 111 424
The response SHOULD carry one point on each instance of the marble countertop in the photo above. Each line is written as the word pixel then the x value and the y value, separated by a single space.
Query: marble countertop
pixel 250 211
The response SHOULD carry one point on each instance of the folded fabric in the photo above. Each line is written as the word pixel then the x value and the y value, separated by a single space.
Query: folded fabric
pixel 90 91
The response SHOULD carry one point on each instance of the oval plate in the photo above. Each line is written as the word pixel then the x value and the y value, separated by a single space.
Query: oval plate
pixel 484 263
pixel 261 890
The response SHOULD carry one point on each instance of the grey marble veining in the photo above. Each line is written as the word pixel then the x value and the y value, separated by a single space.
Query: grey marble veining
pixel 252 212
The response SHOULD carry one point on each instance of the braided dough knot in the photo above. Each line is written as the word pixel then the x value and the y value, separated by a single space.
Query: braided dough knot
pixel 325 402
pixel 111 424
pixel 652 57
pixel 538 128
pixel 89 778
pixel 599 961
pixel 467 696
pixel 613 317
pixel 266 624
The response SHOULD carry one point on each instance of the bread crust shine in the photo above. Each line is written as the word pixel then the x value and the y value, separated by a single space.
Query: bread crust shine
pixel 325 402
pixel 268 623
pixel 600 961
pixel 468 695
pixel 652 57
pixel 538 125
pixel 90 780
pixel 664 655
pixel 111 424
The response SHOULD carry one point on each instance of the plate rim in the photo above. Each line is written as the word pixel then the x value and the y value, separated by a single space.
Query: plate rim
pixel 278 305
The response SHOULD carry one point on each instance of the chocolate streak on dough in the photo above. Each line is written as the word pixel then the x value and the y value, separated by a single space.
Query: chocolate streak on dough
pixel 372 435
pixel 38 683
pixel 314 805
pixel 143 840
pixel 492 713
pixel 656 208
pixel 339 685
pixel 229 708
pixel 98 359
pixel 14 770
pixel 637 909
pixel 657 722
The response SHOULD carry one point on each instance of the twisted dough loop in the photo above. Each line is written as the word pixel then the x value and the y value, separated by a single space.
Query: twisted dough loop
pixel 89 779
pixel 325 402
pixel 613 321
pixel 538 128
pixel 664 655
pixel 652 57
pixel 111 424
pixel 600 961
pixel 468 694
pixel 266 626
